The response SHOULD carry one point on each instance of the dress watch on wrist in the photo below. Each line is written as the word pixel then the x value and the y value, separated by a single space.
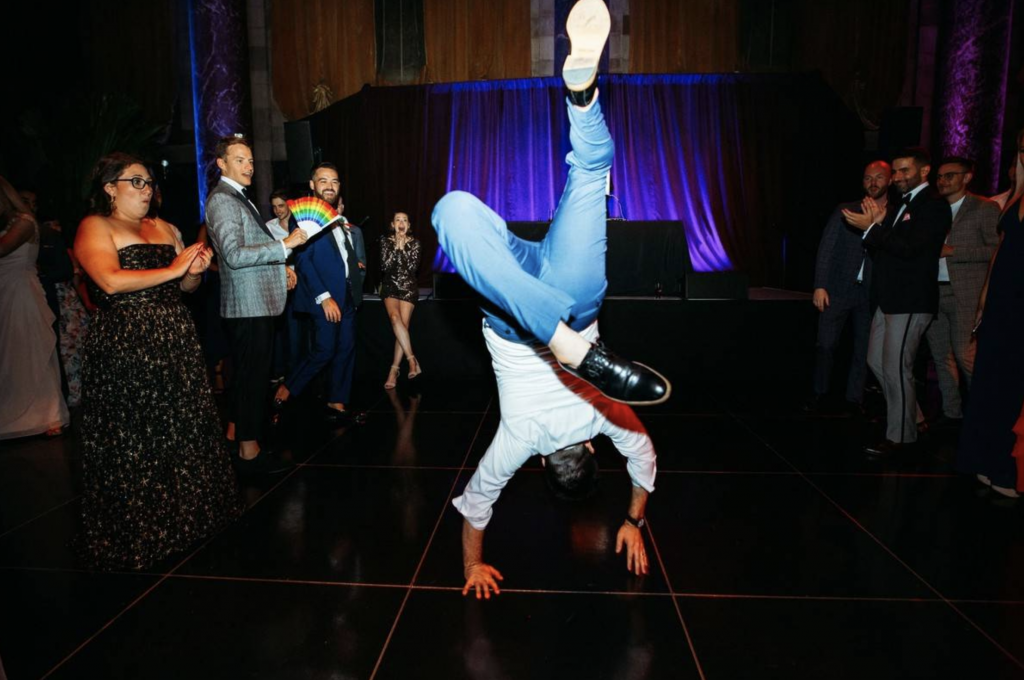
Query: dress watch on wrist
pixel 638 523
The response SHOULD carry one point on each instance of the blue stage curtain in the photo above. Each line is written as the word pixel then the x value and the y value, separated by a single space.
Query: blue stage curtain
pixel 751 165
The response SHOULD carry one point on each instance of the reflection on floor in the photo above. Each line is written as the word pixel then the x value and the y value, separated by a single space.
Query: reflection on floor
pixel 778 552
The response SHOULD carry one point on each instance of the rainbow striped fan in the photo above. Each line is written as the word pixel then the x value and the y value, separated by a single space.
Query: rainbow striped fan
pixel 313 214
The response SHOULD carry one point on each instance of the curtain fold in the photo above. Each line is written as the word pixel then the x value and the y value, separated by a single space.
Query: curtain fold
pixel 733 158
pixel 334 42
pixel 314 41
pixel 696 36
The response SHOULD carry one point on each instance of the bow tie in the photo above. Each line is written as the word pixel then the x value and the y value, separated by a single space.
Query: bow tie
pixel 907 198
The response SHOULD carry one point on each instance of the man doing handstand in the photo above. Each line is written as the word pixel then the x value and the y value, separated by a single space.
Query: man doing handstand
pixel 558 386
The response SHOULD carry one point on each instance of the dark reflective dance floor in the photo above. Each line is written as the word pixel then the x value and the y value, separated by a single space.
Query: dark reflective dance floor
pixel 777 551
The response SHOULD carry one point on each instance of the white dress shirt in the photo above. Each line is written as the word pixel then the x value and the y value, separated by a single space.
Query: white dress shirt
pixel 544 409
pixel 943 267
pixel 338 234
pixel 276 230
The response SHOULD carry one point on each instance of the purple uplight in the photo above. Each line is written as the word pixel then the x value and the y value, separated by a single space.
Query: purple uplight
pixel 971 84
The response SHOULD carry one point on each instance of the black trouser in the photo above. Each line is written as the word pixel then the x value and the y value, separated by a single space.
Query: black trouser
pixel 857 309
pixel 252 353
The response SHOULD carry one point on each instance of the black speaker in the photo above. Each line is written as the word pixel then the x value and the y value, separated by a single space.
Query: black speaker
pixel 717 286
pixel 451 286
pixel 302 156
pixel 900 128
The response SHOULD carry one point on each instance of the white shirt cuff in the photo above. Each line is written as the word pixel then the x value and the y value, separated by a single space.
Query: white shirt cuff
pixel 287 250
pixel 320 298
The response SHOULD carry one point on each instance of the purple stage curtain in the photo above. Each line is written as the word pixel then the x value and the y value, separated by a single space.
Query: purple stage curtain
pixel 751 165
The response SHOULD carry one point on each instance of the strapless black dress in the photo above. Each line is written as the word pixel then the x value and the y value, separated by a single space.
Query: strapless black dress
pixel 157 473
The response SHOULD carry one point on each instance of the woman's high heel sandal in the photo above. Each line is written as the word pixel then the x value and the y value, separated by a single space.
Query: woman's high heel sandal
pixel 413 372
pixel 392 378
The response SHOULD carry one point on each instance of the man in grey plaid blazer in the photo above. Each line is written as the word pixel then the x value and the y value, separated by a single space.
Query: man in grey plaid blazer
pixel 254 288
pixel 969 246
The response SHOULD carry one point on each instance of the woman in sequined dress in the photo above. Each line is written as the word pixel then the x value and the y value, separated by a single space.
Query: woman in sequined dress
pixel 399 262
pixel 157 475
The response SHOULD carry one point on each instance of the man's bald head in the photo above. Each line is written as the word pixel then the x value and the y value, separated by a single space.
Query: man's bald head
pixel 877 178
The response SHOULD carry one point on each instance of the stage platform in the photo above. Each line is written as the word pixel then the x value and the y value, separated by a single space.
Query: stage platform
pixel 692 340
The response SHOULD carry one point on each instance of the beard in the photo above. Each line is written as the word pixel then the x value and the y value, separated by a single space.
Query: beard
pixel 333 200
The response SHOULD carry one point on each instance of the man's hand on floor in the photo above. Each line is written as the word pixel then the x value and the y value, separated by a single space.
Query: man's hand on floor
pixel 483 578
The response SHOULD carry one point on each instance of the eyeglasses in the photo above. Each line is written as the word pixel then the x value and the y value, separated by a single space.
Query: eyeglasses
pixel 138 182
pixel 950 175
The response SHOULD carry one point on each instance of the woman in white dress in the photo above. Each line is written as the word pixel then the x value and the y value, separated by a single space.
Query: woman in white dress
pixel 31 401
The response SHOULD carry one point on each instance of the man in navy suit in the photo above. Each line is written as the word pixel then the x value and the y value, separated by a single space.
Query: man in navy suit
pixel 331 270
pixel 842 280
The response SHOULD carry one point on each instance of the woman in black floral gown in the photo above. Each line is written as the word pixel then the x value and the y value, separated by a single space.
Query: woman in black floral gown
pixel 399 262
pixel 157 475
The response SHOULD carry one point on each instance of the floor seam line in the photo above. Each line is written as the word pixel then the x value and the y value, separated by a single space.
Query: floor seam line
pixel 171 572
pixel 849 516
pixel 675 603
pixel 426 549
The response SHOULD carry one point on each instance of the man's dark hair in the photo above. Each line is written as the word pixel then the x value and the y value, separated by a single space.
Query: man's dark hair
pixel 324 165
pixel 571 473
pixel 279 193
pixel 918 153
pixel 966 164
pixel 224 143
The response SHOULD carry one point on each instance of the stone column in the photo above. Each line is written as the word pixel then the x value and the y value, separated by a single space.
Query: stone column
pixel 220 80
pixel 970 84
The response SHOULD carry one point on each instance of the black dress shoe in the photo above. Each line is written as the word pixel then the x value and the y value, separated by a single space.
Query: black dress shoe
pixel 621 380
pixel 266 462
pixel 814 404
pixel 886 449
pixel 944 422
pixel 852 409
pixel 336 417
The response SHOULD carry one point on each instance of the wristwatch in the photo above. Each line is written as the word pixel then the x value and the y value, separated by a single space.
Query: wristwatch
pixel 638 523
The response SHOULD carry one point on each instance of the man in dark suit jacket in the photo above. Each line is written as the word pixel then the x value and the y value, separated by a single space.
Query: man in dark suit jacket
pixel 331 270
pixel 965 258
pixel 842 279
pixel 905 249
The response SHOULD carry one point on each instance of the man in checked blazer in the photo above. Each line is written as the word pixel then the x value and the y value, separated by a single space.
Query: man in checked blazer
pixel 842 280
pixel 254 288
pixel 965 257
pixel 905 248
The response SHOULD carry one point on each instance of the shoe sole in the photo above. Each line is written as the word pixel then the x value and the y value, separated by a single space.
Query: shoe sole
pixel 588 26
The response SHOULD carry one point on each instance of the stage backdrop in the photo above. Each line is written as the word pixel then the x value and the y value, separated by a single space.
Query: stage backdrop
pixel 751 165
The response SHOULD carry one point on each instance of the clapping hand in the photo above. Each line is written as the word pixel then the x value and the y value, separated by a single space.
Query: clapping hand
pixel 183 262
pixel 871 213
pixel 202 262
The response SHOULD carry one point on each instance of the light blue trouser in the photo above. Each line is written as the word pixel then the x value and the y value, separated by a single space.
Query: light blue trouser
pixel 531 286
